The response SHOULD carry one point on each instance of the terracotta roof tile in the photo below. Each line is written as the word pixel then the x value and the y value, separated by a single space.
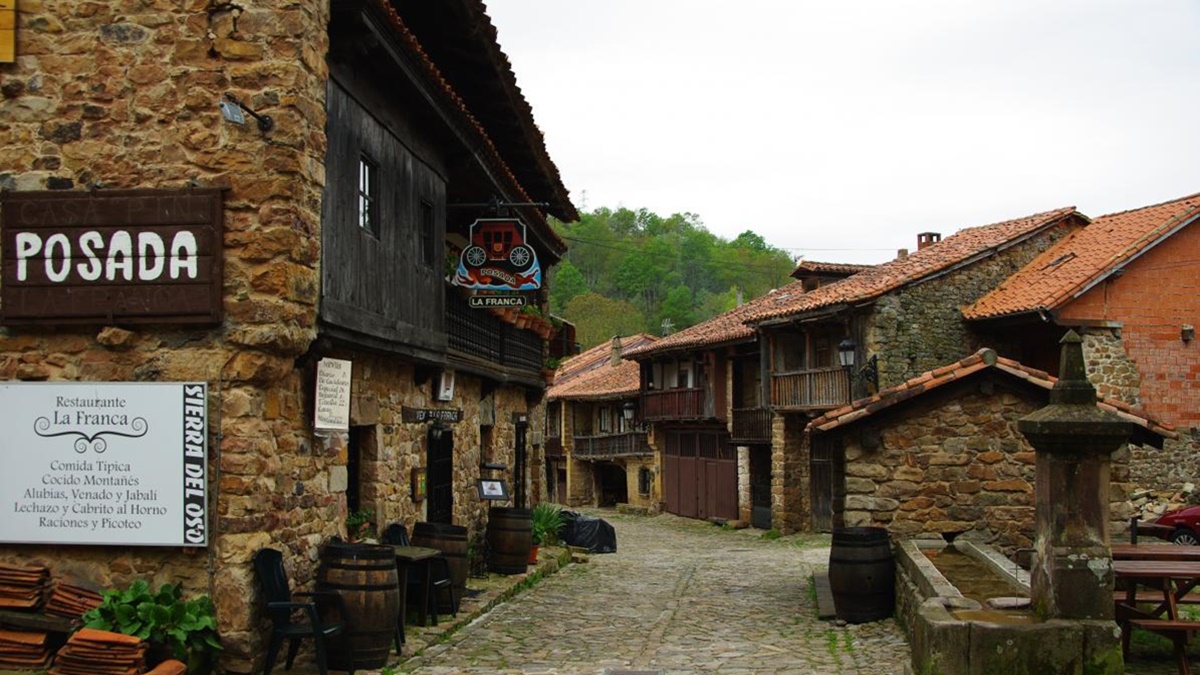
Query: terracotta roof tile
pixel 727 328
pixel 592 374
pixel 814 267
pixel 942 256
pixel 979 361
pixel 1082 258
pixel 435 77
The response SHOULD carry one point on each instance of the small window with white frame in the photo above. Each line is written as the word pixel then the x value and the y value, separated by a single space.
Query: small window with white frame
pixel 368 195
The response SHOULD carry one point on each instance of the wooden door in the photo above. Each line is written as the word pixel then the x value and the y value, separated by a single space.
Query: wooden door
pixel 439 475
pixel 820 483
pixel 760 487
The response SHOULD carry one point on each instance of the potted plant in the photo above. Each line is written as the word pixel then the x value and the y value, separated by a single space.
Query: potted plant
pixel 550 369
pixel 360 525
pixel 546 521
pixel 174 627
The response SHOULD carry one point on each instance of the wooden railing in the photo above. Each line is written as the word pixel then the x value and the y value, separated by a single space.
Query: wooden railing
pixel 628 444
pixel 673 404
pixel 751 425
pixel 476 333
pixel 808 389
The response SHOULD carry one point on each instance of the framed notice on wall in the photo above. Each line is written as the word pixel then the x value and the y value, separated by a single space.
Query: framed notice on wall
pixel 333 395
pixel 104 463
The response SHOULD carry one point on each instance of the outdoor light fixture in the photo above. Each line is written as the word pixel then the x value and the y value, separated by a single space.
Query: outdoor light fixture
pixel 846 353
pixel 628 409
pixel 1187 332
pixel 232 109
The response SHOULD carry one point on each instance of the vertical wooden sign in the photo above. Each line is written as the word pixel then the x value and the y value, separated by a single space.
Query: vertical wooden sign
pixel 8 31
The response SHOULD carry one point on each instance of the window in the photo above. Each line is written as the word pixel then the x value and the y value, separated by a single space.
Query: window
pixel 605 420
pixel 645 477
pixel 684 376
pixel 427 233
pixel 368 195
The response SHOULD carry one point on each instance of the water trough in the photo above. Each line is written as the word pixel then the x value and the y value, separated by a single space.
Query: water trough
pixel 951 633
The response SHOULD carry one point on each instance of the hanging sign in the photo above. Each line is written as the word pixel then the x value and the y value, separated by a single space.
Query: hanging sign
pixel 8 31
pixel 333 395
pixel 104 463
pixel 499 258
pixel 417 415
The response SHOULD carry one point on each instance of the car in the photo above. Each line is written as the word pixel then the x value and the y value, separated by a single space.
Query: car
pixel 1185 524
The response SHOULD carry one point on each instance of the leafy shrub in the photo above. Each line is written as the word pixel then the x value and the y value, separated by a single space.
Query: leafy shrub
pixel 184 629
pixel 546 521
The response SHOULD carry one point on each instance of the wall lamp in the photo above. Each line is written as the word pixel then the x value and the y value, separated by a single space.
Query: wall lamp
pixel 232 109
pixel 869 371
pixel 1187 332
pixel 628 409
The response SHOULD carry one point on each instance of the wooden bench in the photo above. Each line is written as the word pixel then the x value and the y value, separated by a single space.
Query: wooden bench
pixel 1151 596
pixel 1178 630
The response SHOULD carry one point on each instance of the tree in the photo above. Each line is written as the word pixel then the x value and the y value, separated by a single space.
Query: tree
pixel 598 318
pixel 566 283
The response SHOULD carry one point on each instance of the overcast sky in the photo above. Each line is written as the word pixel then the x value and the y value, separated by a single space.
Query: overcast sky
pixel 840 129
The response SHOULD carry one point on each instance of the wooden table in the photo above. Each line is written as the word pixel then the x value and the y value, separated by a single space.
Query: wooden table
pixel 1155 552
pixel 1171 580
pixel 407 557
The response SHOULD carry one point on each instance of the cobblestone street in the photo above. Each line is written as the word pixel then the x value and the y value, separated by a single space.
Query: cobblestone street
pixel 679 596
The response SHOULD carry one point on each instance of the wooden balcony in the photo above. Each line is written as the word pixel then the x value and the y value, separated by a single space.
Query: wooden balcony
pixel 818 389
pixel 673 404
pixel 751 425
pixel 608 446
pixel 477 334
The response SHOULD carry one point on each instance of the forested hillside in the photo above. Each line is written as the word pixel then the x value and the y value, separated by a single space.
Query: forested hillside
pixel 629 271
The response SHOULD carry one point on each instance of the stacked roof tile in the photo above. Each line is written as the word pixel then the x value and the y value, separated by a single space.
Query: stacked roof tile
pixel 1083 258
pixel 832 269
pixel 980 360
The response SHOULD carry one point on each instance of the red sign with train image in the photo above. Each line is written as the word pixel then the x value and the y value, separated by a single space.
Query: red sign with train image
pixel 498 258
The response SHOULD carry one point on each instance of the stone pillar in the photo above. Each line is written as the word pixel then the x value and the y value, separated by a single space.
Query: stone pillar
pixel 1074 439
pixel 789 474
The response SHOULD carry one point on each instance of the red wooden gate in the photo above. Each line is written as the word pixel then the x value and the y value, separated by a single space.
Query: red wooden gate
pixel 700 475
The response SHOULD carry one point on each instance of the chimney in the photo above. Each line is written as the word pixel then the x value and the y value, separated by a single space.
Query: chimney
pixel 902 254
pixel 616 350
pixel 925 239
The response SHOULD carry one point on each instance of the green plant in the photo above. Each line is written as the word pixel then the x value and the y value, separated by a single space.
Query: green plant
pixel 360 524
pixel 547 521
pixel 771 534
pixel 553 363
pixel 183 629
pixel 531 310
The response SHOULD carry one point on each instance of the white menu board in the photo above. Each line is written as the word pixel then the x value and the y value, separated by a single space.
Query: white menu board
pixel 333 395
pixel 104 463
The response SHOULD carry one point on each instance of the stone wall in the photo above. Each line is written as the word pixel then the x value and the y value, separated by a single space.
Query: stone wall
pixel 920 327
pixel 1109 368
pixel 124 95
pixel 789 474
pixel 955 464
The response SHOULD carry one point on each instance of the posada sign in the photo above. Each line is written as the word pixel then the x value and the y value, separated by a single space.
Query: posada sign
pixel 128 256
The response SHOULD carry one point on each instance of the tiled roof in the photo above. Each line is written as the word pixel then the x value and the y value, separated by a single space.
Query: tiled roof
pixel 1082 258
pixel 814 267
pixel 727 328
pixel 592 375
pixel 438 81
pixel 955 250
pixel 981 360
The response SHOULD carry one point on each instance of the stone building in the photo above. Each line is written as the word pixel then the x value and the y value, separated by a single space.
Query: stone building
pixel 333 164
pixel 940 454
pixel 592 415
pixel 1127 282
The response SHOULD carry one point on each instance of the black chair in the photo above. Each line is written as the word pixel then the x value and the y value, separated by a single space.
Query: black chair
pixel 268 564
pixel 439 579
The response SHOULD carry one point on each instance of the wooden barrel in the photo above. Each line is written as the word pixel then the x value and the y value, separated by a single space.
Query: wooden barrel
pixel 366 578
pixel 862 574
pixel 510 539
pixel 451 540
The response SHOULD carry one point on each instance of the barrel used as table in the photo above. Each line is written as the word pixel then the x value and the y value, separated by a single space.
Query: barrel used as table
pixel 451 540
pixel 862 574
pixel 366 578
pixel 510 539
